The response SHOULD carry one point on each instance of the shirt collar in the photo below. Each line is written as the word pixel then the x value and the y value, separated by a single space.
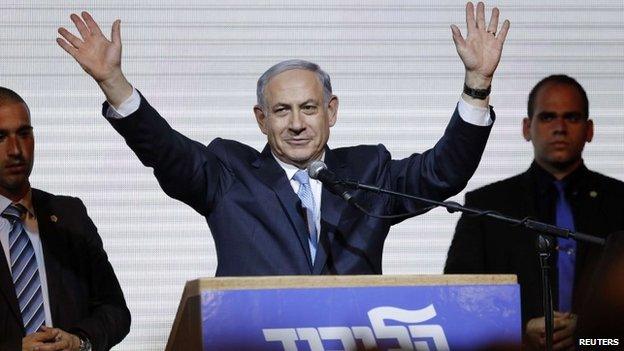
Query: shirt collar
pixel 288 168
pixel 544 180
pixel 26 201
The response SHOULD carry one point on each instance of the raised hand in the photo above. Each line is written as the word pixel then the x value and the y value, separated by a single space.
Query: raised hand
pixel 481 50
pixel 98 56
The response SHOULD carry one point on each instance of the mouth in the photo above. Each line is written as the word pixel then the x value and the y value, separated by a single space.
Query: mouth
pixel 16 168
pixel 559 143
pixel 297 141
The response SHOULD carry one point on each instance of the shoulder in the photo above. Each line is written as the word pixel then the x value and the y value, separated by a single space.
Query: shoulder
pixel 348 153
pixel 234 148
pixel 47 202
pixel 607 183
pixel 494 190
pixel 610 190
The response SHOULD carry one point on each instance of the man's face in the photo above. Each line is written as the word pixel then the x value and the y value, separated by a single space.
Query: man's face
pixel 559 128
pixel 17 146
pixel 296 120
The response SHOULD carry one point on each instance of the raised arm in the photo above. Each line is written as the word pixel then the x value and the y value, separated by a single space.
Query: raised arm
pixel 480 50
pixel 98 56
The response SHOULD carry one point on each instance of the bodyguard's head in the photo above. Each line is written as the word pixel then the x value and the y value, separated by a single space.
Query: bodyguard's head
pixel 558 123
pixel 17 145
pixel 295 110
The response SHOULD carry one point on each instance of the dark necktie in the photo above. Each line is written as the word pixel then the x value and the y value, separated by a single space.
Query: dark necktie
pixel 567 249
pixel 24 271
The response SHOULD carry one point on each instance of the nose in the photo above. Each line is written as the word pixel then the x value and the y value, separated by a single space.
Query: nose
pixel 14 146
pixel 560 125
pixel 296 122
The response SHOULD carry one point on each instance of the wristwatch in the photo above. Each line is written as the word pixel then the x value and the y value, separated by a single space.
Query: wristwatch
pixel 85 344
pixel 480 94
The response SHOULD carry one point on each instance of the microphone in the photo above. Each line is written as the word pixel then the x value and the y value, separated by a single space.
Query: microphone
pixel 318 170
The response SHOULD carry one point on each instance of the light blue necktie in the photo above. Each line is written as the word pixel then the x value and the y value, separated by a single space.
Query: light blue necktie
pixel 24 271
pixel 307 199
pixel 566 257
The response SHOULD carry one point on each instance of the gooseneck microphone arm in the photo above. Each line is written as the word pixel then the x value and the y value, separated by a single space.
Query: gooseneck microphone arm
pixel 318 170
pixel 452 207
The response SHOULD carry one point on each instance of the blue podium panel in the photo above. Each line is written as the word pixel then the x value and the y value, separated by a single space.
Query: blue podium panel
pixel 455 317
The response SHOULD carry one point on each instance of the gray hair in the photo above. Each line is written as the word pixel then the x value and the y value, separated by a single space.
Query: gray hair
pixel 288 65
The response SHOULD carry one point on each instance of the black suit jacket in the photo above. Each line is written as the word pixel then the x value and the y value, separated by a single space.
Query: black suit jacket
pixel 483 245
pixel 254 214
pixel 85 296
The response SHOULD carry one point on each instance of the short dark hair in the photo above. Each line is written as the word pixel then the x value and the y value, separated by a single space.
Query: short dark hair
pixel 9 96
pixel 287 65
pixel 557 79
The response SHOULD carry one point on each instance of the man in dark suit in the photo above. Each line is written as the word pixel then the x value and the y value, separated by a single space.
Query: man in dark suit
pixel 558 189
pixel 266 216
pixel 57 289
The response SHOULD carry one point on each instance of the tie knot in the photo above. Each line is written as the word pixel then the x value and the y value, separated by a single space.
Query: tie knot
pixel 302 177
pixel 560 186
pixel 14 212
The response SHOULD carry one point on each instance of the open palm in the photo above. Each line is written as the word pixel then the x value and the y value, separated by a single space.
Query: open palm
pixel 481 50
pixel 98 56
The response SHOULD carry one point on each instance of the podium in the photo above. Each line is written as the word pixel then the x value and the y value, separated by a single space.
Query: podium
pixel 403 312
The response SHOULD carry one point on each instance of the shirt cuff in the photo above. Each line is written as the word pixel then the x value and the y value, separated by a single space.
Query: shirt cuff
pixel 479 116
pixel 126 108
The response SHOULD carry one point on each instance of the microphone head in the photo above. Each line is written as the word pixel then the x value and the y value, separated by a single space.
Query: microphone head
pixel 315 168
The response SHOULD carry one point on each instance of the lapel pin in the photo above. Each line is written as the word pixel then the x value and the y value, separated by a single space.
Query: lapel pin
pixel 593 193
pixel 53 218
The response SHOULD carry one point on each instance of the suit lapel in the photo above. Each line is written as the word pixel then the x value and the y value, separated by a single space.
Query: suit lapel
pixel 332 207
pixel 7 289
pixel 50 241
pixel 273 176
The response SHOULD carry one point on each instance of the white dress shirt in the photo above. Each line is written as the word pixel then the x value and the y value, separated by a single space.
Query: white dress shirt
pixel 32 229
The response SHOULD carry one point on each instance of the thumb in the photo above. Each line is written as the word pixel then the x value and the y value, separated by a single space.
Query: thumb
pixel 116 33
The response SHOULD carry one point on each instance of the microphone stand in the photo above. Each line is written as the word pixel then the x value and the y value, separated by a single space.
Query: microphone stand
pixel 545 239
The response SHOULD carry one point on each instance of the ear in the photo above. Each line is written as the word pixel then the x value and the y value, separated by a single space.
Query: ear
pixel 590 131
pixel 260 118
pixel 332 110
pixel 526 128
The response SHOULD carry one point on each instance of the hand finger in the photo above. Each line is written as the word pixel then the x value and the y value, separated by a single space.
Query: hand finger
pixel 562 334
pixel 55 346
pixel 503 32
pixel 470 19
pixel 563 344
pixel 480 15
pixel 457 37
pixel 44 335
pixel 74 40
pixel 93 26
pixel 70 49
pixel 80 25
pixel 493 26
pixel 558 323
pixel 116 32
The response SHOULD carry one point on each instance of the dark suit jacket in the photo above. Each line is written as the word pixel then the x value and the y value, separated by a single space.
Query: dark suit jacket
pixel 85 296
pixel 253 212
pixel 483 245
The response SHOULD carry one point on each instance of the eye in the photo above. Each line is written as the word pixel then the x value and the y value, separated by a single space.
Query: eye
pixel 547 117
pixel 309 109
pixel 280 111
pixel 25 133
pixel 574 118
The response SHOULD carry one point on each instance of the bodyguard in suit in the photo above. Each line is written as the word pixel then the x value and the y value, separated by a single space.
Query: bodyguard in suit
pixel 557 188
pixel 266 216
pixel 57 289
